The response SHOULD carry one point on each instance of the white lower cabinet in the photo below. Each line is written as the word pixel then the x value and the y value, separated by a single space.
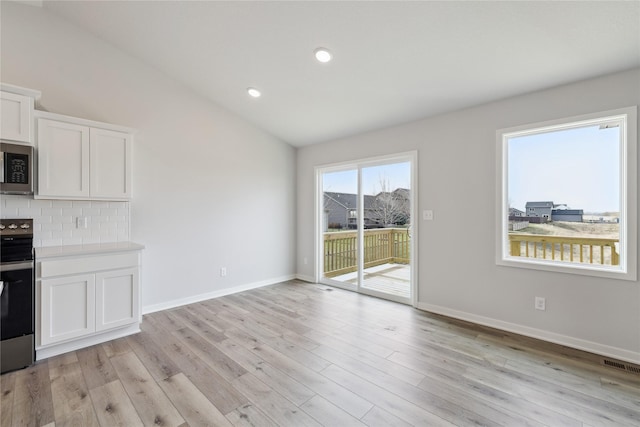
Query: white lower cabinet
pixel 116 298
pixel 68 308
pixel 84 300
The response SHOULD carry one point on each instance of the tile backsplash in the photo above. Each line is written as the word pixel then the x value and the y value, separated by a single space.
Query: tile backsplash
pixel 55 222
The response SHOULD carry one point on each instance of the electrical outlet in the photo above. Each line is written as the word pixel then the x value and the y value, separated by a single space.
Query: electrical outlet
pixel 223 271
pixel 427 215
pixel 540 303
pixel 81 222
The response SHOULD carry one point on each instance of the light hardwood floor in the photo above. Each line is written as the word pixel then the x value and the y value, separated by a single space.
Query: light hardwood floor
pixel 297 354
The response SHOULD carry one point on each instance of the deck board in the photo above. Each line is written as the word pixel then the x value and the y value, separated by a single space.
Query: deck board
pixel 393 279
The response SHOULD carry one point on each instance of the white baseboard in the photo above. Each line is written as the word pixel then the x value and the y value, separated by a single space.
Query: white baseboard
pixel 305 278
pixel 215 294
pixel 76 344
pixel 577 343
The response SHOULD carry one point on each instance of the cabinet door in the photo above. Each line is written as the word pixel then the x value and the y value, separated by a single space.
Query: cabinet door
pixel 15 114
pixel 67 308
pixel 63 159
pixel 117 294
pixel 110 164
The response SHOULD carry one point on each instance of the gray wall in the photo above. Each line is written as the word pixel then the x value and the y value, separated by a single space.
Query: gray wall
pixel 598 314
pixel 234 208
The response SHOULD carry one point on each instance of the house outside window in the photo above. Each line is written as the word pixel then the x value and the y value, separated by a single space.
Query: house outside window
pixel 576 179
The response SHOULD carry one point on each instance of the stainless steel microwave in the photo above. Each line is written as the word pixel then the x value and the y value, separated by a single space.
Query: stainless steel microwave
pixel 16 168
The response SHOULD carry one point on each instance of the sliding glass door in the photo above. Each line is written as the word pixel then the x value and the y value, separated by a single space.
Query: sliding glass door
pixel 340 227
pixel 365 226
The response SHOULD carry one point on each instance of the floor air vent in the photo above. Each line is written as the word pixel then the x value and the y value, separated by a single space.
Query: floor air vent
pixel 633 369
pixel 622 366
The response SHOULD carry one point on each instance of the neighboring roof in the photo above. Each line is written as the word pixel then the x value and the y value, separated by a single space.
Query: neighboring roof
pixel 349 201
pixel 539 205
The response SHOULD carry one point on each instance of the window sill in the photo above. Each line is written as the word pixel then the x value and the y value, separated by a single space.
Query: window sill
pixel 564 267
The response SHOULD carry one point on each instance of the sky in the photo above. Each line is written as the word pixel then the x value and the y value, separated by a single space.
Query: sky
pixel 397 175
pixel 578 167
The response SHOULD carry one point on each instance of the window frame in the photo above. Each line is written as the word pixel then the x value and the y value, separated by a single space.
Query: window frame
pixel 627 270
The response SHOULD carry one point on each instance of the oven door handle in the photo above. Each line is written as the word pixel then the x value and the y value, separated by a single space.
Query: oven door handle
pixel 12 266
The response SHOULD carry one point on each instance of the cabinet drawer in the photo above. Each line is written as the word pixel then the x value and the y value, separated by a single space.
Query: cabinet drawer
pixel 78 265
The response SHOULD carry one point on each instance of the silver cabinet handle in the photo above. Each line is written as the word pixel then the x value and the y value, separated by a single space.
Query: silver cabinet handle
pixel 1 287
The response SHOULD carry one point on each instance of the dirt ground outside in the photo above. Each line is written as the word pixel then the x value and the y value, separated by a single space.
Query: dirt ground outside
pixel 574 229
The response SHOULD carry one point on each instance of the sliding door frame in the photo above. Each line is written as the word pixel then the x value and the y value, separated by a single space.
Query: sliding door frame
pixel 412 158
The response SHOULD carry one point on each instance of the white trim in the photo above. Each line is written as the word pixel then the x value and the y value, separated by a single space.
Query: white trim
pixel 628 194
pixel 415 228
pixel 577 343
pixel 18 90
pixel 367 162
pixel 76 344
pixel 215 294
pixel 360 230
pixel 39 114
pixel 317 226
pixel 305 278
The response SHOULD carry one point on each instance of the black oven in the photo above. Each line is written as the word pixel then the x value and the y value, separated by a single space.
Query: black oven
pixel 17 294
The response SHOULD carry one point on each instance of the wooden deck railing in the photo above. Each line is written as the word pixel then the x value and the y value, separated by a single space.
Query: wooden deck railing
pixel 381 246
pixel 588 250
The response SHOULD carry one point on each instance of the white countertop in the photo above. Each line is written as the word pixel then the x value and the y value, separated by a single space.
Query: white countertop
pixel 96 248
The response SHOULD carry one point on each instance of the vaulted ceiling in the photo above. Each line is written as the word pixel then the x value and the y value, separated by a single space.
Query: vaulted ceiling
pixel 393 61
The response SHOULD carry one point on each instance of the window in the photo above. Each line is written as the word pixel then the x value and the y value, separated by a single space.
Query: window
pixel 576 179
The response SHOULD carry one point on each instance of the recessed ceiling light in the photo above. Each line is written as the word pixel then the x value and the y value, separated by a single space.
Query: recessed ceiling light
pixel 252 91
pixel 322 54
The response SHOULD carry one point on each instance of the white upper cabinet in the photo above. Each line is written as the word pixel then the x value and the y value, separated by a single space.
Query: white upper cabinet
pixel 82 160
pixel 16 117
pixel 16 113
pixel 63 159
pixel 110 170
